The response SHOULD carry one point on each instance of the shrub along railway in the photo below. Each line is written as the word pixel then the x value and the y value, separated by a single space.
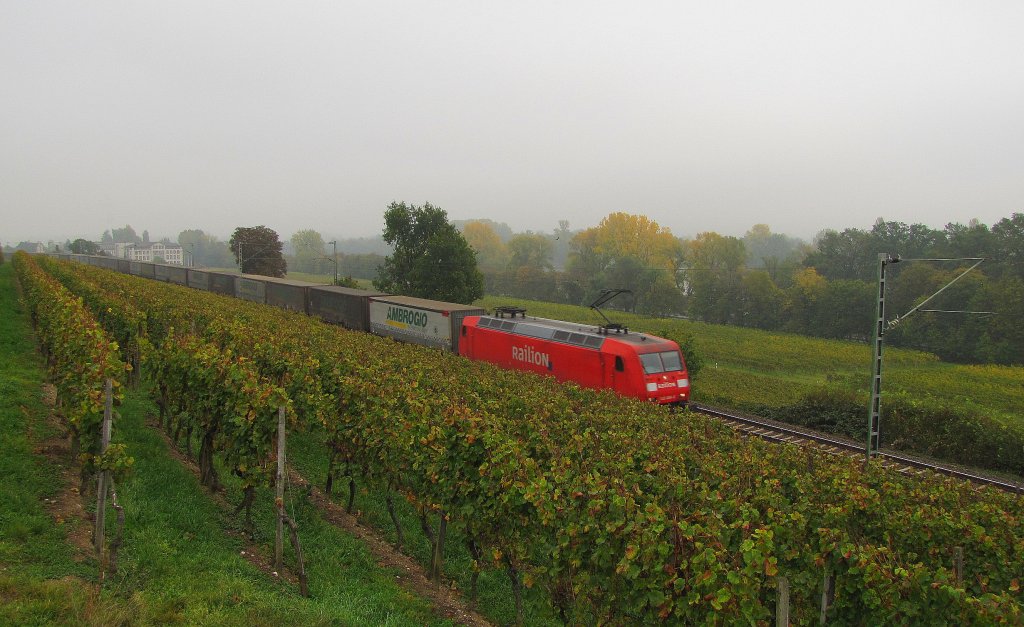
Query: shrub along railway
pixel 623 511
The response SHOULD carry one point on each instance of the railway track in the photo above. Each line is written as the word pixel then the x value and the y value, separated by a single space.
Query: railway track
pixel 774 432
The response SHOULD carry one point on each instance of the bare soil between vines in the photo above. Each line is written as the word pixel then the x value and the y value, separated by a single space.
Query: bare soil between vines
pixel 66 508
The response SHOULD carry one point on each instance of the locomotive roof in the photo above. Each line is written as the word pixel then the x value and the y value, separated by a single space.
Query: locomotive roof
pixel 561 331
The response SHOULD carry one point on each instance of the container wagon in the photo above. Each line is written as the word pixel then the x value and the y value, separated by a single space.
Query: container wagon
pixel 221 283
pixel 251 287
pixel 198 279
pixel 289 295
pixel 420 321
pixel 177 275
pixel 346 306
pixel 143 269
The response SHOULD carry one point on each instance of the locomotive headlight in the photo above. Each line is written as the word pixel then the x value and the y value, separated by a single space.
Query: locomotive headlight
pixel 652 387
pixel 683 383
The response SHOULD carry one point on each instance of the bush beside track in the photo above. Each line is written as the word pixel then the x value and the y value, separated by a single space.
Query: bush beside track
pixel 623 511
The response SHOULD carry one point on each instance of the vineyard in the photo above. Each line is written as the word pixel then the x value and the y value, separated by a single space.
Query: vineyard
pixel 964 414
pixel 614 511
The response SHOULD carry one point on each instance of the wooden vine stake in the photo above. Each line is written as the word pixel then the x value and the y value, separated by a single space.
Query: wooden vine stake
pixel 115 544
pixel 958 565
pixel 782 602
pixel 303 581
pixel 101 480
pixel 828 594
pixel 282 518
pixel 279 542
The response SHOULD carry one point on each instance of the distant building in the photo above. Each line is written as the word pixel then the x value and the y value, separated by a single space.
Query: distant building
pixel 171 253
pixel 32 247
pixel 117 249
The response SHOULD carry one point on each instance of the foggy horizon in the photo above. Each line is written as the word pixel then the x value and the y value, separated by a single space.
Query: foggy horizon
pixel 702 117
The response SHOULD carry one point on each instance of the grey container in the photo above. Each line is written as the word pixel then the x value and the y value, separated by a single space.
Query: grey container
pixel 161 272
pixel 251 287
pixel 143 269
pixel 289 295
pixel 222 283
pixel 199 279
pixel 342 305
pixel 177 275
pixel 125 266
pixel 420 321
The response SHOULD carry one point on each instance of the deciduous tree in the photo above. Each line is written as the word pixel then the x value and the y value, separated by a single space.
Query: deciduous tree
pixel 715 278
pixel 310 253
pixel 431 259
pixel 84 247
pixel 127 235
pixel 629 252
pixel 1009 244
pixel 491 253
pixel 530 250
pixel 204 250
pixel 849 254
pixel 777 253
pixel 257 250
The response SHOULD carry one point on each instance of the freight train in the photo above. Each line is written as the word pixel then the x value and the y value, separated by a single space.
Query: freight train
pixel 602 357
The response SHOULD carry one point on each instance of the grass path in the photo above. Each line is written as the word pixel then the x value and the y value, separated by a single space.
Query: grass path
pixel 41 581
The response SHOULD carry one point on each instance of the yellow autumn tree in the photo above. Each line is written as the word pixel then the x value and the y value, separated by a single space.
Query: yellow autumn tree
pixel 626 235
pixel 491 252
pixel 627 251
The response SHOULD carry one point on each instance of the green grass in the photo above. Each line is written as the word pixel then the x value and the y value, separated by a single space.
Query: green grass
pixel 308 454
pixel 364 284
pixel 32 545
pixel 181 561
pixel 178 554
pixel 745 368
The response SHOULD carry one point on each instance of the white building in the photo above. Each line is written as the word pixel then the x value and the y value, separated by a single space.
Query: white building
pixel 170 253
pixel 32 247
pixel 121 250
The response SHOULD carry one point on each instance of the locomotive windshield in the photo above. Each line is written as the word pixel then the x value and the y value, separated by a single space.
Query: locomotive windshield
pixel 668 361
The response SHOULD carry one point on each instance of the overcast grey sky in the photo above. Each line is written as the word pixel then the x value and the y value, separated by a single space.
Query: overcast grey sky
pixel 701 115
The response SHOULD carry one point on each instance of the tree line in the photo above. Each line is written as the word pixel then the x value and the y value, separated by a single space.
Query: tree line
pixel 775 282
pixel 762 280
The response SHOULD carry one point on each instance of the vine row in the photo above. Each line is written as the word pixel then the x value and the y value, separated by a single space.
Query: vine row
pixel 621 511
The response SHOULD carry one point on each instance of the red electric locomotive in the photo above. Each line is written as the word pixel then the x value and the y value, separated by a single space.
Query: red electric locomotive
pixel 632 364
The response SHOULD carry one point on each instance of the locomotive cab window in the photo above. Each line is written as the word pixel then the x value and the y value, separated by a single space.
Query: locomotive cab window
pixel 619 364
pixel 655 363
pixel 672 361
pixel 652 363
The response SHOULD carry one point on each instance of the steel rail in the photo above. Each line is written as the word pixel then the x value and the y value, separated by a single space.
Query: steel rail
pixel 785 435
